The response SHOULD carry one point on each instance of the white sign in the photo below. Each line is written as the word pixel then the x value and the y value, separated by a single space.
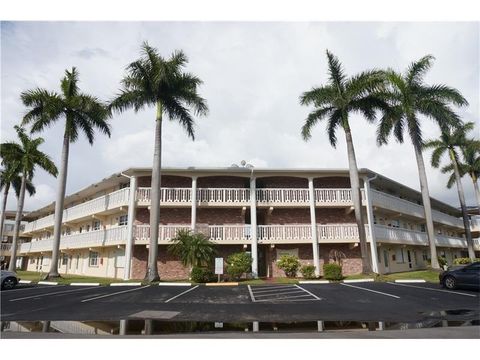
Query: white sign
pixel 219 266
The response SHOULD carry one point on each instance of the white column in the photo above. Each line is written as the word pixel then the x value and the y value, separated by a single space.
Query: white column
pixel 194 202
pixel 253 224
pixel 131 219
pixel 313 221
pixel 371 230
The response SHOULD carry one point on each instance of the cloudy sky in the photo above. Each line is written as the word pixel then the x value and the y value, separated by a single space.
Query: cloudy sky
pixel 253 74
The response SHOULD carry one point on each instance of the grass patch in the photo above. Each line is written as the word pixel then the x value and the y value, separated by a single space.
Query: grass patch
pixel 252 282
pixel 67 279
pixel 427 275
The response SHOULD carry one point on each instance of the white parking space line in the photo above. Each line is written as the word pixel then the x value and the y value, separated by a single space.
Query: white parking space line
pixel 273 290
pixel 427 288
pixel 315 296
pixel 251 293
pixel 29 288
pixel 257 288
pixel 287 298
pixel 115 293
pixel 52 293
pixel 374 291
pixel 182 293
pixel 279 293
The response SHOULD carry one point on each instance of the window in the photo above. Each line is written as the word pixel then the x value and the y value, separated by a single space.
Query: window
pixel 93 259
pixel 124 185
pixel 123 220
pixel 379 256
pixel 32 261
pixel 422 227
pixel 395 223
pixel 64 259
pixel 399 256
pixel 78 260
pixel 96 225
pixel 374 219
pixel 88 227
pixel 424 256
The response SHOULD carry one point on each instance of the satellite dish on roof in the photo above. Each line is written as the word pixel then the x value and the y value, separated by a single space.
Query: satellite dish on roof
pixel 243 162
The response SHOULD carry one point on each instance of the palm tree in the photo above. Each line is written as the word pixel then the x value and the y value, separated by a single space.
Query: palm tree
pixel 334 102
pixel 193 249
pixel 28 156
pixel 411 101
pixel 155 81
pixel 10 177
pixel 450 142
pixel 82 113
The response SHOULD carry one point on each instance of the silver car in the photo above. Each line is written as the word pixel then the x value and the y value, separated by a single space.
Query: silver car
pixel 9 279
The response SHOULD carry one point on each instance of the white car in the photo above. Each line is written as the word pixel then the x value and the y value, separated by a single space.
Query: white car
pixel 9 279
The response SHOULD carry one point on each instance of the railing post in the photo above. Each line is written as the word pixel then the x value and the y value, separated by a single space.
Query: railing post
pixel 313 220
pixel 131 220
pixel 194 203
pixel 253 224
pixel 371 230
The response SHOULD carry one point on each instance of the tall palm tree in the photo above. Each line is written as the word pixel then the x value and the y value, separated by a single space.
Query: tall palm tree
pixel 81 113
pixel 154 81
pixel 10 177
pixel 192 249
pixel 450 142
pixel 411 101
pixel 334 102
pixel 28 156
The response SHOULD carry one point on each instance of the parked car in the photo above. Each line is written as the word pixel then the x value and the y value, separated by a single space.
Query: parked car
pixel 9 279
pixel 467 276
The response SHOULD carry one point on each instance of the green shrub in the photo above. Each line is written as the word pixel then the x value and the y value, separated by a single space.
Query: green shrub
pixel 202 275
pixel 238 264
pixel 308 271
pixel 462 261
pixel 332 272
pixel 289 264
pixel 442 262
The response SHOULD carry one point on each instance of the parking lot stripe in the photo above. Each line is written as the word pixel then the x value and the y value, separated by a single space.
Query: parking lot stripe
pixel 287 298
pixel 426 288
pixel 374 291
pixel 30 288
pixel 272 290
pixel 256 288
pixel 315 296
pixel 115 293
pixel 251 293
pixel 52 293
pixel 279 293
pixel 182 293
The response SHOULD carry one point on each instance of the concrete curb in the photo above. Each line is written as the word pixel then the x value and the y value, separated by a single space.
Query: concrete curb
pixel 126 284
pixel 47 283
pixel 358 280
pixel 175 284
pixel 222 284
pixel 84 284
pixel 314 282
pixel 25 282
pixel 410 281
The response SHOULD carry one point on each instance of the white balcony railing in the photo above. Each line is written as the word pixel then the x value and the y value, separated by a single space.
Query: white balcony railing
pixel 107 202
pixel 410 237
pixel 112 236
pixel 166 232
pixel 4 248
pixel 403 206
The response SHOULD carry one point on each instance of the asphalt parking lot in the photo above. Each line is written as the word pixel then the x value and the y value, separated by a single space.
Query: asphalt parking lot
pixel 366 301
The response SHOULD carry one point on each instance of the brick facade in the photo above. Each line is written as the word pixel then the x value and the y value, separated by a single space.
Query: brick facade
pixel 212 216
pixel 167 181
pixel 282 182
pixel 223 182
pixel 281 216
pixel 331 182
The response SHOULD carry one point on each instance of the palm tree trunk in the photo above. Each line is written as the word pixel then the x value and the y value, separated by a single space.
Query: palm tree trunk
pixel 16 228
pixel 57 230
pixel 477 192
pixel 4 206
pixel 426 206
pixel 357 203
pixel 152 270
pixel 461 197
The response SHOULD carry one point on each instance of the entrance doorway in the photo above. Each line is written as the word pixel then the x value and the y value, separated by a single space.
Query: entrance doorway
pixel 262 260
pixel 385 260
pixel 409 257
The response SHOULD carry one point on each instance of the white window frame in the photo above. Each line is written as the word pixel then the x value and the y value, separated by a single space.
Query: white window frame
pixel 123 220
pixel 93 259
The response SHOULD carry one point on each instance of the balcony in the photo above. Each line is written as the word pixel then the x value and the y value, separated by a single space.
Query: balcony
pixel 5 249
pixel 99 205
pixel 390 235
pixel 393 203
pixel 108 237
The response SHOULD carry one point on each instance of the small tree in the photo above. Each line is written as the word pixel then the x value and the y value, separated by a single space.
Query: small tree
pixel 289 264
pixel 238 264
pixel 193 249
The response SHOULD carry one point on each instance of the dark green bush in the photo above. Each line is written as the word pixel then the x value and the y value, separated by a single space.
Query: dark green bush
pixel 289 264
pixel 462 261
pixel 332 272
pixel 202 275
pixel 308 271
pixel 238 264
pixel 442 261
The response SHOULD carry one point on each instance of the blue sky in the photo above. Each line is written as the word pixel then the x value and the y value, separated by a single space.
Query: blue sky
pixel 253 74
